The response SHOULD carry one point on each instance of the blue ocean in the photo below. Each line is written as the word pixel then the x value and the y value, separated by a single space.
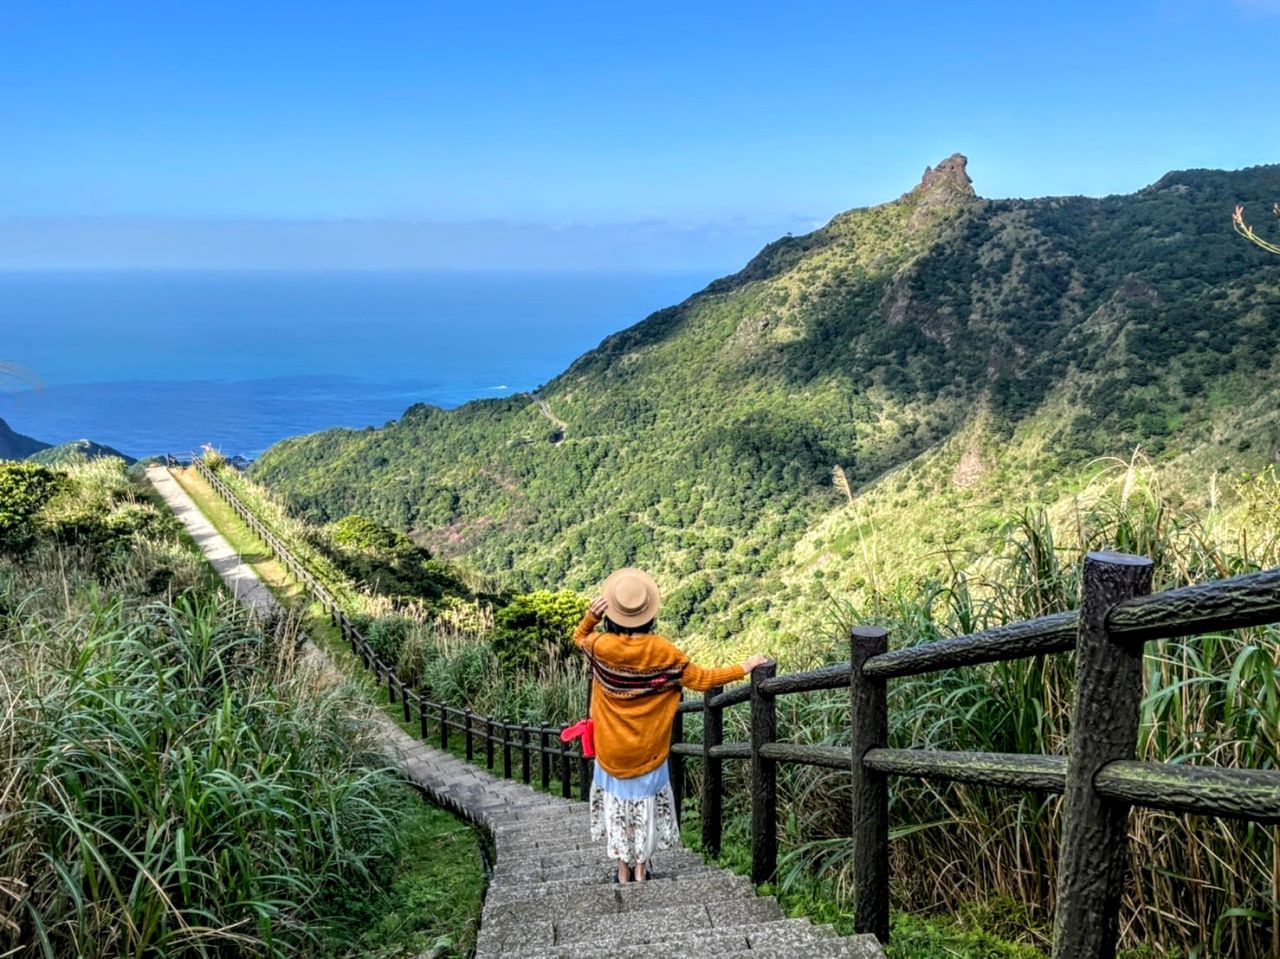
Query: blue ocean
pixel 155 362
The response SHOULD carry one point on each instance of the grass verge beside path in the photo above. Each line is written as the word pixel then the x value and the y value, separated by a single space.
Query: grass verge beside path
pixel 434 903
pixel 288 591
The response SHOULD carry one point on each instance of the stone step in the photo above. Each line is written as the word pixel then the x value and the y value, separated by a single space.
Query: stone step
pixel 586 874
pixel 859 947
pixel 797 934
pixel 516 843
pixel 667 860
pixel 583 875
pixel 507 932
pixel 568 898
pixel 836 949
pixel 687 916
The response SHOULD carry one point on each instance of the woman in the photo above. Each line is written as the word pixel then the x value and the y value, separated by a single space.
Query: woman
pixel 637 677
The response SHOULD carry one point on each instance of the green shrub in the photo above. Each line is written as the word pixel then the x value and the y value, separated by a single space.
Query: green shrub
pixel 386 561
pixel 24 489
pixel 536 626
pixel 386 634
pixel 360 532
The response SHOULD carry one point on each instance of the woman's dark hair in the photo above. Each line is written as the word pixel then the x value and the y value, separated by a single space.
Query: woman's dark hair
pixel 611 627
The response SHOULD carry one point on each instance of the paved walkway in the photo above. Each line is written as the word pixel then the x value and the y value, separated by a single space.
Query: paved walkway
pixel 550 894
pixel 239 576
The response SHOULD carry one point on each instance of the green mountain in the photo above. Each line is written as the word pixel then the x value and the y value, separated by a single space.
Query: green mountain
pixel 15 446
pixel 76 449
pixel 854 403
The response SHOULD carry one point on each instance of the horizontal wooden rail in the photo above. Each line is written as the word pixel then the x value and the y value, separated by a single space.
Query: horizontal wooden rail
pixel 1034 637
pixel 1006 770
pixel 803 754
pixel 828 677
pixel 1249 600
pixel 739 694
pixel 1204 790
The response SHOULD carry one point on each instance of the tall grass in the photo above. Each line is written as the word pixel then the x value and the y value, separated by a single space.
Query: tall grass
pixel 460 667
pixel 172 782
pixel 177 786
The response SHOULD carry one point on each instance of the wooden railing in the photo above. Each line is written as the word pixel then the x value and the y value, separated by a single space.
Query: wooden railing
pixel 1100 779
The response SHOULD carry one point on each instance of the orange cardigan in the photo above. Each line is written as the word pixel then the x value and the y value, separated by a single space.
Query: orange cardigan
pixel 633 736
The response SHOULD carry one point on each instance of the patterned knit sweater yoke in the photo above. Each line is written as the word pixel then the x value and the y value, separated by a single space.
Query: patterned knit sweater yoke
pixel 633 732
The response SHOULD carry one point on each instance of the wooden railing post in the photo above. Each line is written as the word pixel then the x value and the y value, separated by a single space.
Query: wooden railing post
pixel 525 772
pixel 467 736
pixel 488 742
pixel 506 750
pixel 1104 728
pixel 444 726
pixel 566 783
pixel 423 706
pixel 870 730
pixel 404 702
pixel 712 773
pixel 764 779
pixel 675 764
pixel 544 755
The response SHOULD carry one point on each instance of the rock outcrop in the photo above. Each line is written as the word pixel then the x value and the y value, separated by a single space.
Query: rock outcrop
pixel 949 180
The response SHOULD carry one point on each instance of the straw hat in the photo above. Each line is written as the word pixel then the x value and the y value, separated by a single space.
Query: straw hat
pixel 632 596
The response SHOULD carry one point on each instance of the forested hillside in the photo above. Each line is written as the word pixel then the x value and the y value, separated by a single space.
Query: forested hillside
pixel 861 402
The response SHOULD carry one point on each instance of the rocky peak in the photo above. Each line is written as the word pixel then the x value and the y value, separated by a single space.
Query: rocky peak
pixel 949 180
pixel 942 186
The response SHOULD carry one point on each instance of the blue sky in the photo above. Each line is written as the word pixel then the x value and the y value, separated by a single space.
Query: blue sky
pixel 592 134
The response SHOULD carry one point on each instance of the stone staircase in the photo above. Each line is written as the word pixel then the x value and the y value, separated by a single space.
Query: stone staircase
pixel 551 894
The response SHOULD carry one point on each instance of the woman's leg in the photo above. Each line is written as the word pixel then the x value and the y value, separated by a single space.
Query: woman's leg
pixel 640 873
pixel 624 872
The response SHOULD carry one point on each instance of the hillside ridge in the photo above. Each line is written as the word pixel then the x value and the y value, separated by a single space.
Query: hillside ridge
pixel 702 441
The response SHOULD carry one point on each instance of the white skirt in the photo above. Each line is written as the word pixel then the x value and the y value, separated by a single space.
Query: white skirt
pixel 635 817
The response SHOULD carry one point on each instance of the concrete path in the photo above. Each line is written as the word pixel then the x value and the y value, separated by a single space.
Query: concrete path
pixel 550 895
pixel 239 576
